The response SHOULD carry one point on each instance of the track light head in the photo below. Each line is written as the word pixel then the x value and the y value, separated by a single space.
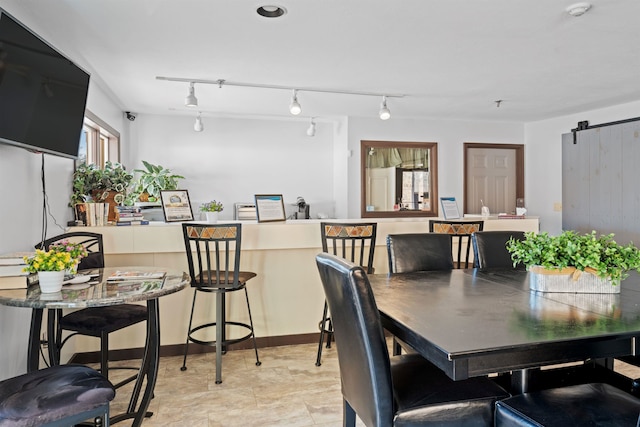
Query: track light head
pixel 311 131
pixel 294 107
pixel 191 100
pixel 384 112
pixel 198 126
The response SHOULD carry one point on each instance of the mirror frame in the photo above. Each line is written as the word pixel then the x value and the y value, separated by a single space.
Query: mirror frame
pixel 433 169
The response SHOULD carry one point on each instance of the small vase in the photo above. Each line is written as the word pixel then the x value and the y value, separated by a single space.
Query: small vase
pixel 50 281
pixel 212 217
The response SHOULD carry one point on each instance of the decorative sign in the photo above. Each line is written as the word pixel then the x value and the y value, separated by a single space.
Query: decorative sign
pixel 176 205
pixel 449 208
pixel 270 207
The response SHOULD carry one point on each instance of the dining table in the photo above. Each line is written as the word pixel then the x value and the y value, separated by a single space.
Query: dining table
pixel 104 287
pixel 473 323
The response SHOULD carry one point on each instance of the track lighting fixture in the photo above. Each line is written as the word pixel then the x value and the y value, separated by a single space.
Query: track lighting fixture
pixel 295 107
pixel 198 126
pixel 384 112
pixel 191 100
pixel 312 128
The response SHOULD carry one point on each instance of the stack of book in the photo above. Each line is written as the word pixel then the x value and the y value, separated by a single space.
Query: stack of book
pixel 130 215
pixel 11 274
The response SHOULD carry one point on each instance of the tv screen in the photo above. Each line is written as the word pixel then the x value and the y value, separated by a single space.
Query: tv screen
pixel 43 94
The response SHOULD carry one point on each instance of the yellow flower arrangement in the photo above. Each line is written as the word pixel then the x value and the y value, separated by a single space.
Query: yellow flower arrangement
pixel 48 261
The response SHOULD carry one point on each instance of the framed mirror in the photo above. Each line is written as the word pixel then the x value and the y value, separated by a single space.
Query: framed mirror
pixel 399 179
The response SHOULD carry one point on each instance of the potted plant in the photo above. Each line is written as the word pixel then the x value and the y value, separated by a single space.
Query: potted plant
pixel 212 210
pixel 573 262
pixel 153 179
pixel 50 267
pixel 76 251
pixel 108 185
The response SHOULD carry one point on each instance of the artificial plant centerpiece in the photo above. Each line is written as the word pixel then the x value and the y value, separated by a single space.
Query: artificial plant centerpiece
pixel 569 255
pixel 212 210
pixel 50 266
pixel 152 180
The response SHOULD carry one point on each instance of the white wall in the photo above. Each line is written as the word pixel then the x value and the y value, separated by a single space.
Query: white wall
pixel 233 159
pixel 543 159
pixel 450 136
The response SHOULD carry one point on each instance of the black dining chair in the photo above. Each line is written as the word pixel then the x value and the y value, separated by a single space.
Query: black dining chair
pixel 59 396
pixel 404 390
pixel 594 404
pixel 355 242
pixel 419 252
pixel 96 322
pixel 213 254
pixel 460 232
pixel 490 249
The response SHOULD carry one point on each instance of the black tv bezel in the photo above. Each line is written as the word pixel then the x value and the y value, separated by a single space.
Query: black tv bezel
pixel 38 148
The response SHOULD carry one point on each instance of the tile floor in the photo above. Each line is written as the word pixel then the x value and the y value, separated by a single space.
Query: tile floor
pixel 286 390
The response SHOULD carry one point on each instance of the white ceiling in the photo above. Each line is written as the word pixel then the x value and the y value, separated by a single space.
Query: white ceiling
pixel 451 58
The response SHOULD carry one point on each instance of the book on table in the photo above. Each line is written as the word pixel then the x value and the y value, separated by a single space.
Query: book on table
pixel 124 275
pixel 14 258
pixel 17 282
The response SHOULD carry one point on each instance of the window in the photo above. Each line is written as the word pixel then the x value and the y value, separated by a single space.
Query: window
pixel 99 142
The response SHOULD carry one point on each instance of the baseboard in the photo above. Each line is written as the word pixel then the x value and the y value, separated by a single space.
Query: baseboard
pixel 178 349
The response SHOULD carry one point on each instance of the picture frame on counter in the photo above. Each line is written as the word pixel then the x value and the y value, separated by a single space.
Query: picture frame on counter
pixel 176 205
pixel 270 207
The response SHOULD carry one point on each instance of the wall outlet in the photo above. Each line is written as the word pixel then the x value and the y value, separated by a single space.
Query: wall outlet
pixel 557 207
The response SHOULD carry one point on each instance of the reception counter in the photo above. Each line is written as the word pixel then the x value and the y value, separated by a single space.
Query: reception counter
pixel 286 296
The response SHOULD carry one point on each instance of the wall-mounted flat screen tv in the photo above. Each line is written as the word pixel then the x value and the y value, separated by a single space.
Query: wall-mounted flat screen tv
pixel 43 94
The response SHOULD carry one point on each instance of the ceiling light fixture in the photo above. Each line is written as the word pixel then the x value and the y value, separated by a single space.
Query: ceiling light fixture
pixel 191 100
pixel 578 9
pixel 384 112
pixel 198 126
pixel 311 131
pixel 295 107
pixel 271 11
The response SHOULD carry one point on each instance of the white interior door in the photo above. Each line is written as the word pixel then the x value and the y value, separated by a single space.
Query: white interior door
pixel 381 188
pixel 491 177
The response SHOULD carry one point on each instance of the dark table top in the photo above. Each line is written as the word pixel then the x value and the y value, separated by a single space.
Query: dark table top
pixel 99 291
pixel 473 323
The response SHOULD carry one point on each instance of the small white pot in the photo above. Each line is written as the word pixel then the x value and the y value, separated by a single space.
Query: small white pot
pixel 212 217
pixel 50 281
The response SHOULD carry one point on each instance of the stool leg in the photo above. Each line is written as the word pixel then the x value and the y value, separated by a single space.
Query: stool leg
pixel 329 332
pixel 219 334
pixel 253 333
pixel 322 323
pixel 186 345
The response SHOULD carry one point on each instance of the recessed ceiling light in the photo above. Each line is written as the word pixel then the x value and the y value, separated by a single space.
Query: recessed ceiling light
pixel 578 9
pixel 271 11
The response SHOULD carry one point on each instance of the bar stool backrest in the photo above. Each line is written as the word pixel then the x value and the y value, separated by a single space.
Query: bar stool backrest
pixel 213 254
pixel 460 232
pixel 355 242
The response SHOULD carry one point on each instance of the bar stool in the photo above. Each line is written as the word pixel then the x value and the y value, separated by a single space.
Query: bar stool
pixel 460 232
pixel 57 396
pixel 215 269
pixel 355 242
pixel 96 322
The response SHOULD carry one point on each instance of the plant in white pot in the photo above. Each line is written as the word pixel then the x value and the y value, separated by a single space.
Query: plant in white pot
pixel 573 262
pixel 50 267
pixel 212 209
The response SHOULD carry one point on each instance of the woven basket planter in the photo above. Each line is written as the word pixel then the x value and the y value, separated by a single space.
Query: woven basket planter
pixel 569 279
